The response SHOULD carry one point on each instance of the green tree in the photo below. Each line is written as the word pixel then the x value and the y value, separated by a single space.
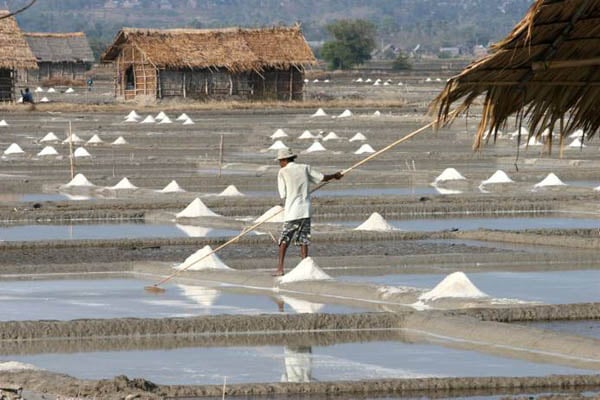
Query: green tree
pixel 352 44
pixel 401 62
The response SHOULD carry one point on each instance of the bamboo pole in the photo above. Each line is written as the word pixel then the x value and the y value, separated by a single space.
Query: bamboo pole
pixel 220 156
pixel 71 158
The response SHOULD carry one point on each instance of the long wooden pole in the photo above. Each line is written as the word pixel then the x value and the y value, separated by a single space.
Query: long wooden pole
pixel 156 289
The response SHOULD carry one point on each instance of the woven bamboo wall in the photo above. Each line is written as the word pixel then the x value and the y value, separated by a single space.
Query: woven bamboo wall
pixel 132 63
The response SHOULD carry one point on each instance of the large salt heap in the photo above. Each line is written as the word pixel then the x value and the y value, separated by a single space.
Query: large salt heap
pixel 81 152
pixel 316 146
pixel 119 141
pixel 278 144
pixel 331 136
pixel 365 148
pixel 165 120
pixel 231 191
pixel 278 134
pixel 550 180
pixel 50 138
pixel 345 114
pixel 196 209
pixel 498 177
pixel 148 120
pixel 13 149
pixel 182 117
pixel 375 223
pixel 73 138
pixel 202 260
pixel 306 135
pixel 79 180
pixel 455 285
pixel 449 174
pixel 160 116
pixel 3 123
pixel 124 184
pixel 577 144
pixel 47 151
pixel 306 270
pixel 133 115
pixel 172 187
pixel 319 113
pixel 273 214
pixel 359 137
pixel 95 140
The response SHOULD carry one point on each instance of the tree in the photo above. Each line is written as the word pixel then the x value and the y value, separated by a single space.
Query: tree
pixel 354 40
pixel 401 62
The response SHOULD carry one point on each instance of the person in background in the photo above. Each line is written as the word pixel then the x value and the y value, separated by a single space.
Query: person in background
pixel 27 96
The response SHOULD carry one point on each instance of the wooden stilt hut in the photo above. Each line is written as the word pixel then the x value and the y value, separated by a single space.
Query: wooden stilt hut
pixel 15 57
pixel 545 72
pixel 60 55
pixel 209 63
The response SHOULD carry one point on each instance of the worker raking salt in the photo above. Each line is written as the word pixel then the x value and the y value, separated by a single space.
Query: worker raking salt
pixel 293 181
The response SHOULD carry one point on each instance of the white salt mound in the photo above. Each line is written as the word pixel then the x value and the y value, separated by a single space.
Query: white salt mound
pixel 79 180
pixel 319 113
pixel 306 270
pixel 316 146
pixel 172 187
pixel 45 99
pixel 51 90
pixel 203 259
pixel 577 134
pixel 359 80
pixel 119 141
pixel 81 152
pixel 131 119
pixel 306 135
pixel 13 149
pixel 273 214
pixel 550 180
pixel 365 148
pixel 48 151
pixel 278 144
pixel 182 117
pixel 6 366
pixel 231 190
pixel 359 137
pixel 3 123
pixel 148 120
pixel 455 285
pixel 577 143
pixel 375 223
pixel 165 120
pixel 331 136
pixel 369 80
pixel 133 114
pixel 95 140
pixel 347 113
pixel 196 209
pixel 377 113
pixel 160 116
pixel 50 137
pixel 39 89
pixel 449 174
pixel 279 133
pixel 124 184
pixel 188 122
pixel 74 139
pixel 69 90
pixel 498 177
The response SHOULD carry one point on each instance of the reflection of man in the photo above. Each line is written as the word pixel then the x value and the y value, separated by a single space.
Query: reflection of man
pixel 298 364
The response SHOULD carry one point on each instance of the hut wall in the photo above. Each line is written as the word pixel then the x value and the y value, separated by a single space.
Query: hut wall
pixel 277 84
pixel 7 84
pixel 66 70
pixel 205 84
pixel 135 77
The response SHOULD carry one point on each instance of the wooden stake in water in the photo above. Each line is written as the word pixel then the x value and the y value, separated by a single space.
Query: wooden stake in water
pixel 220 156
pixel 71 158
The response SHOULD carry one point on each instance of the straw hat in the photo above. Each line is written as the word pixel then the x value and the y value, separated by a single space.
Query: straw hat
pixel 283 154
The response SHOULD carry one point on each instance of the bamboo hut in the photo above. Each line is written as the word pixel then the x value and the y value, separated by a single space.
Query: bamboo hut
pixel 60 55
pixel 209 63
pixel 545 72
pixel 15 56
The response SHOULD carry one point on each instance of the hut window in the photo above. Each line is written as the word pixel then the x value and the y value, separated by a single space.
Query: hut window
pixel 129 79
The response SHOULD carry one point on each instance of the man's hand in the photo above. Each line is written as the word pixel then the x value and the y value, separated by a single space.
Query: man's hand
pixel 338 175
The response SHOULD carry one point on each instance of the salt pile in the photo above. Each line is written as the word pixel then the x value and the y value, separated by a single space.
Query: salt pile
pixel 316 146
pixel 172 187
pixel 532 142
pixel 377 82
pixel 188 122
pixel 369 80
pixel 273 214
pixel 347 113
pixel 13 149
pixel 524 132
pixel 331 136
pixel 377 114
pixel 3 123
pixel 182 117
pixel 123 184
pixel 131 119
pixel 51 90
pixel 302 306
pixel 365 148
pixel 200 294
pixel 39 89
pixel 358 80
pixel 203 259
pixel 73 139
pixel 69 90
pixel 550 180
pixel 148 120
pixel 8 366
pixel 319 113
pixel 577 134
pixel 119 141
pixel 196 209
pixel 81 152
pixel 375 223
pixel 455 285
pixel 316 80
pixel 279 133
pixel 48 151
pixel 44 100
pixel 50 137
pixel 95 140
pixel 306 270
pixel 133 114
pixel 428 80
pixel 359 137
pixel 232 191
pixel 449 174
pixel 79 180
pixel 278 145
pixel 165 120
pixel 160 116
pixel 577 143
pixel 306 135
pixel 498 177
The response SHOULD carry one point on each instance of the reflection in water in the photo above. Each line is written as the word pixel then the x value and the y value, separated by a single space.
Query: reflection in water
pixel 200 294
pixel 194 231
pixel 302 306
pixel 298 364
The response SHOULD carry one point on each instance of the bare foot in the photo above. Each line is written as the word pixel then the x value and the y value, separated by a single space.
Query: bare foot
pixel 277 273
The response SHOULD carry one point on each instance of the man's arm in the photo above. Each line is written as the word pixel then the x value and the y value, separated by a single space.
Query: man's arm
pixel 338 175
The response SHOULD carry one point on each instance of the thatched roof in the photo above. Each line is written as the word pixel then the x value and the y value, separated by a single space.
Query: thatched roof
pixel 14 50
pixel 60 47
pixel 545 72
pixel 235 49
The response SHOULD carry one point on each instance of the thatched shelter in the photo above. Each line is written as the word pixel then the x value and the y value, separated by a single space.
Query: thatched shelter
pixel 60 55
pixel 15 56
pixel 545 72
pixel 210 63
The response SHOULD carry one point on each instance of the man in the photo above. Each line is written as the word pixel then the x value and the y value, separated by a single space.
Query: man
pixel 293 182
pixel 27 96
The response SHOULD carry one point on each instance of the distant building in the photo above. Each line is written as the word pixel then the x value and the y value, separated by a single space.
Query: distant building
pixel 16 57
pixel 154 64
pixel 479 51
pixel 452 51
pixel 60 55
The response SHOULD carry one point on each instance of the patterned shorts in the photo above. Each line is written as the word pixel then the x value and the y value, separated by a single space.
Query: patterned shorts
pixel 298 228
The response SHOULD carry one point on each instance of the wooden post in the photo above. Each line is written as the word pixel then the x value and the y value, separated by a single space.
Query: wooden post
pixel 230 85
pixel 71 158
pixel 184 89
pixel 291 83
pixel 220 156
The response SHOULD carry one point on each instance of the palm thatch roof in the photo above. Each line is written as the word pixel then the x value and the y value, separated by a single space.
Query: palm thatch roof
pixel 60 47
pixel 545 72
pixel 14 50
pixel 235 49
